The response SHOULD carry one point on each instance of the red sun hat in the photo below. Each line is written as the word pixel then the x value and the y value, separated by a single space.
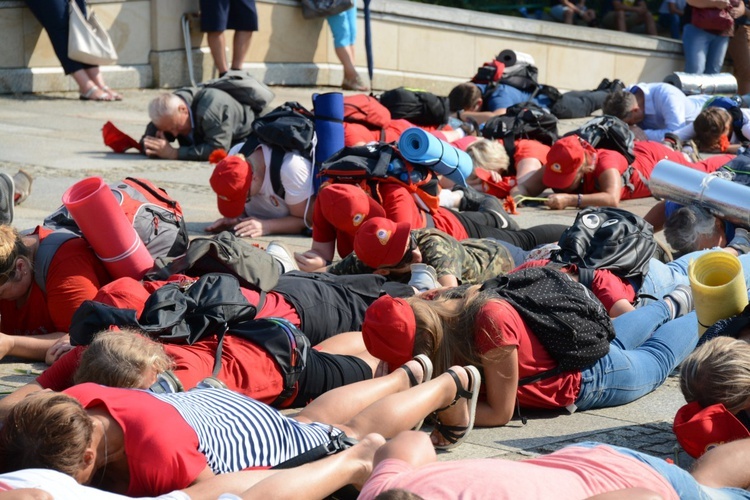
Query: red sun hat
pixel 388 329
pixel 123 293
pixel 699 429
pixel 345 206
pixel 380 242
pixel 231 181
pixel 564 159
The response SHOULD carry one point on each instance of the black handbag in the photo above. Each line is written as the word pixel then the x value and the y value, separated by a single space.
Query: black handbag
pixel 324 8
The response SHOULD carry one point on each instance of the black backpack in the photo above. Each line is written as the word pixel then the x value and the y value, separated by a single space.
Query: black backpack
pixel 608 132
pixel 287 129
pixel 522 76
pixel 522 121
pixel 563 314
pixel 607 238
pixel 420 108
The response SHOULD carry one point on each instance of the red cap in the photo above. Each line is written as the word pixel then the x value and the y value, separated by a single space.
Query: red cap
pixel 699 429
pixel 380 242
pixel 564 159
pixel 345 206
pixel 118 140
pixel 389 329
pixel 124 293
pixel 231 180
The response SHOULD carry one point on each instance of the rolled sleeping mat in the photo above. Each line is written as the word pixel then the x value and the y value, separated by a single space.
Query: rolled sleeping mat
pixel 693 84
pixel 719 290
pixel 329 128
pixel 421 147
pixel 511 58
pixel 725 199
pixel 94 208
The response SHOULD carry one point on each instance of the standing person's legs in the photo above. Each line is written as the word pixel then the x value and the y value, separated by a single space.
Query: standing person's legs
pixel 344 30
pixel 243 19
pixel 739 50
pixel 214 18
pixel 717 50
pixel 622 376
pixel 695 45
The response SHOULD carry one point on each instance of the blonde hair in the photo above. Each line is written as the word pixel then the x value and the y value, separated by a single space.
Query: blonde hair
pixel 46 430
pixel 12 248
pixel 445 329
pixel 489 155
pixel 162 106
pixel 718 372
pixel 121 359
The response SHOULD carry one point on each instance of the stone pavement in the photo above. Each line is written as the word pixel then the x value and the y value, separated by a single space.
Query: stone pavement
pixel 57 139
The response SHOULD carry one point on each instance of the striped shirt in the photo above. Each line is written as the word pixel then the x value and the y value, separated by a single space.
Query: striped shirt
pixel 236 432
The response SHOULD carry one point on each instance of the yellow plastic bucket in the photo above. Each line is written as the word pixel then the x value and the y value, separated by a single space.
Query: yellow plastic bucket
pixel 718 285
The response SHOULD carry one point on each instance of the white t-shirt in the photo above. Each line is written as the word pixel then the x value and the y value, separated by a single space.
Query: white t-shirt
pixel 63 487
pixel 296 178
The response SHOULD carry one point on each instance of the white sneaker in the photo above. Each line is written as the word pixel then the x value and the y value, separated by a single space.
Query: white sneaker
pixel 283 256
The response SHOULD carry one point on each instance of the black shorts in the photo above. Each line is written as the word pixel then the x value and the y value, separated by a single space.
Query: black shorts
pixel 326 371
pixel 220 15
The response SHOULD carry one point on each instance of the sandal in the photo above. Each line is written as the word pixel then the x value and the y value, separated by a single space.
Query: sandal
pixel 456 434
pixel 91 95
pixel 426 377
pixel 115 96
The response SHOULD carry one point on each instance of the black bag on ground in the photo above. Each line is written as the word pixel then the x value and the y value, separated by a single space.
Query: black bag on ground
pixel 420 108
pixel 522 121
pixel 222 253
pixel 608 132
pixel 564 315
pixel 607 238
pixel 287 129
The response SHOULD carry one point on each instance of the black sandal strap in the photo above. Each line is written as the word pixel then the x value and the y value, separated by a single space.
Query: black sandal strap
pixel 412 378
pixel 460 391
pixel 451 433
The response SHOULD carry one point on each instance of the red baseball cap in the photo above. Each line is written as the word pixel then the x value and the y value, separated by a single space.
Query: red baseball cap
pixel 388 329
pixel 380 242
pixel 564 159
pixel 699 429
pixel 345 206
pixel 231 181
pixel 123 293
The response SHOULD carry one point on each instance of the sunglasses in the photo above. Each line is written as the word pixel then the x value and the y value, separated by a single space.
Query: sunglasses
pixel 408 256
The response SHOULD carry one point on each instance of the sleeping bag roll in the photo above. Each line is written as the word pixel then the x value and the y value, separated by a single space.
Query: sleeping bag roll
pixel 423 148
pixel 329 127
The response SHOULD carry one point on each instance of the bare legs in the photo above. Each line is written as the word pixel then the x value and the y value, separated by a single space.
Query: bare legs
pixel 346 56
pixel 240 46
pixel 88 86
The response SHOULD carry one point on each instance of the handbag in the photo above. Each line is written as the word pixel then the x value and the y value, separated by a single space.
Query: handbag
pixel 324 8
pixel 88 41
pixel 715 20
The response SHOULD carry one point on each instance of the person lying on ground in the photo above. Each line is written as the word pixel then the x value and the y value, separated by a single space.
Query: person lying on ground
pixel 201 120
pixel 482 329
pixel 714 130
pixel 341 209
pixel 407 468
pixel 582 176
pixel 247 198
pixel 212 431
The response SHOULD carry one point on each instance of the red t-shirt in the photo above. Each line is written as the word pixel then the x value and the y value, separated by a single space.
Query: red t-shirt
pixel 400 206
pixel 528 148
pixel 607 287
pixel 499 325
pixel 75 274
pixel 355 133
pixel 161 448
pixel 325 232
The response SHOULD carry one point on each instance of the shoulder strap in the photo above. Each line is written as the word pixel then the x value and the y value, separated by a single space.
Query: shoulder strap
pixel 586 276
pixel 531 379
pixel 277 159
pixel 44 254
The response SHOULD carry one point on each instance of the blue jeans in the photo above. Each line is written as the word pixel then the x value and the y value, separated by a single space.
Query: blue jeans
pixel 673 22
pixel 344 27
pixel 663 278
pixel 647 348
pixel 704 51
pixel 680 479
pixel 505 96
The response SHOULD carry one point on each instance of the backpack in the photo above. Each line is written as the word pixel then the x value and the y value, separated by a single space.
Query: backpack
pixel 522 121
pixel 221 253
pixel 563 314
pixel 243 88
pixel 156 217
pixel 368 166
pixel 608 132
pixel 367 111
pixel 287 129
pixel 607 238
pixel 522 76
pixel 419 107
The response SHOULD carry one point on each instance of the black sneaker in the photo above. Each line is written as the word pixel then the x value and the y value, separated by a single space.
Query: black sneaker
pixel 7 195
pixel 604 85
pixel 741 241
pixel 681 299
pixel 616 85
pixel 672 141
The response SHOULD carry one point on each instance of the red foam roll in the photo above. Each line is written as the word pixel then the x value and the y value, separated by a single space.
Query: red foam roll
pixel 112 236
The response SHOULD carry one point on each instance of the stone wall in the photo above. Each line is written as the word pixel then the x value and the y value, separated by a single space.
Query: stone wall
pixel 414 44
